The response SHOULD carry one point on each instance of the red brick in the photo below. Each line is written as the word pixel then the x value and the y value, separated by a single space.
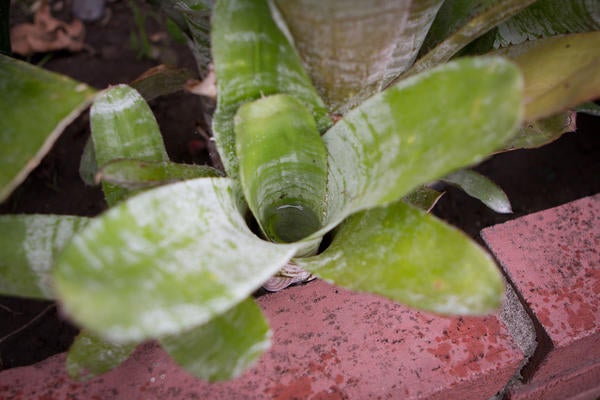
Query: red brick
pixel 329 343
pixel 552 259
pixel 579 384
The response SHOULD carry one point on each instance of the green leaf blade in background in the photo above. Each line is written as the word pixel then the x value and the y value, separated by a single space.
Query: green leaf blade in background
pixel 225 346
pixel 29 244
pixel 90 356
pixel 543 131
pixel 411 257
pixel 163 262
pixel 403 137
pixel 36 106
pixel 124 127
pixel 253 58
pixel 135 174
pixel 482 188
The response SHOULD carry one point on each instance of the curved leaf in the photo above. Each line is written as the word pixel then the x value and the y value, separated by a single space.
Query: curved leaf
pixel 161 80
pixel 29 245
pixel 123 126
pixel 252 59
pixel 481 188
pixel 411 257
pixel 543 131
pixel 90 356
pixel 135 174
pixel 420 130
pixel 423 197
pixel 347 46
pixel 225 346
pixel 488 18
pixel 163 262
pixel 560 72
pixel 54 101
pixel 589 108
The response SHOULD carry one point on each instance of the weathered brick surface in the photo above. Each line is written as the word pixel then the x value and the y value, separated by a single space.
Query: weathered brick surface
pixel 328 344
pixel 553 259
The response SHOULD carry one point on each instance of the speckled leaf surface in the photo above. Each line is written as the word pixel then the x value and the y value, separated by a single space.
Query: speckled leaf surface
pixel 36 106
pixel 163 262
pixel 482 188
pixel 90 356
pixel 409 256
pixel 29 245
pixel 123 126
pixel 253 58
pixel 560 72
pixel 135 174
pixel 405 136
pixel 224 347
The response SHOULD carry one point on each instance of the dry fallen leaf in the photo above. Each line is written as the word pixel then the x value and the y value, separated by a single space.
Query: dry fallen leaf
pixel 46 34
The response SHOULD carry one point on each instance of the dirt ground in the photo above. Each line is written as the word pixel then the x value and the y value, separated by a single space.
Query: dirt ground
pixel 534 180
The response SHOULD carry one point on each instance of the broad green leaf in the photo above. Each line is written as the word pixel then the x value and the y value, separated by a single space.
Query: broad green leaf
pixel 481 188
pixel 163 262
pixel 29 245
pixel 560 72
pixel 589 108
pixel 90 356
pixel 283 166
pixel 420 130
pixel 490 15
pixel 123 126
pixel 36 106
pixel 253 58
pixel 423 197
pixel 161 80
pixel 350 47
pixel 225 346
pixel 543 131
pixel 411 257
pixel 135 174
pixel 546 18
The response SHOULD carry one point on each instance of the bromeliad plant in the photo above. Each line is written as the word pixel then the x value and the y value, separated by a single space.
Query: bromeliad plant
pixel 174 259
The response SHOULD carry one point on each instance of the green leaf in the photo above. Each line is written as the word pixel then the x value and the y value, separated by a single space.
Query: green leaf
pixel 135 174
pixel 351 47
pixel 410 257
pixel 546 18
pixel 589 108
pixel 29 245
pixel 225 346
pixel 481 188
pixel 423 197
pixel 489 15
pixel 36 106
pixel 543 131
pixel 88 166
pixel 420 130
pixel 252 59
pixel 123 126
pixel 283 166
pixel 163 262
pixel 560 72
pixel 90 356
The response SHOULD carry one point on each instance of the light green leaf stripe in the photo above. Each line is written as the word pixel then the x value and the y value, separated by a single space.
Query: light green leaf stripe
pixel 411 257
pixel 283 166
pixel 482 188
pixel 163 262
pixel 135 174
pixel 123 126
pixel 225 346
pixel 36 106
pixel 90 356
pixel 29 245
pixel 405 136
pixel 253 58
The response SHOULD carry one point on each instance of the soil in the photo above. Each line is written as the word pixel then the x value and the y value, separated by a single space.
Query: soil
pixel 536 179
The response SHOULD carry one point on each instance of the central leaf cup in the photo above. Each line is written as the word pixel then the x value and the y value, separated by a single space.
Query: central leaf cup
pixel 283 166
